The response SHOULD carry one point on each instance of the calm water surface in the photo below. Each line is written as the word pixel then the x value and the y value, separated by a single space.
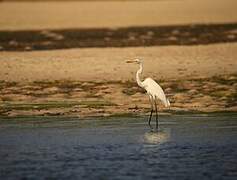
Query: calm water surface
pixel 186 147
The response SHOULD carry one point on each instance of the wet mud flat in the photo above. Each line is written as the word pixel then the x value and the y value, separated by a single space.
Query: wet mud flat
pixel 192 34
pixel 186 147
pixel 85 99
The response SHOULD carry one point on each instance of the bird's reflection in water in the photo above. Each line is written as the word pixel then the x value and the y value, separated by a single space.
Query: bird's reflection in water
pixel 155 138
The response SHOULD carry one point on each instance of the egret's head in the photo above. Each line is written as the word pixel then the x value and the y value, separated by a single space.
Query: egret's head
pixel 137 61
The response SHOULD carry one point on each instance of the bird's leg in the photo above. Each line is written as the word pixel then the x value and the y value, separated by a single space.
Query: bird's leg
pixel 149 121
pixel 156 116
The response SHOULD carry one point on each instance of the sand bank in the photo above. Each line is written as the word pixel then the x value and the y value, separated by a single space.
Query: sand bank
pixel 100 65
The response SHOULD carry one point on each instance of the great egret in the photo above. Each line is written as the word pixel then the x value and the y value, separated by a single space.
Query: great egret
pixel 153 89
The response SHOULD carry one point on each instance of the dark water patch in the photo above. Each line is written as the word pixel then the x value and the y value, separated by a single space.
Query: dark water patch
pixel 186 147
pixel 192 34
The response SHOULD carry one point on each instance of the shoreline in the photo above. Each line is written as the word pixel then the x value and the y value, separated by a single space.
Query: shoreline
pixel 131 115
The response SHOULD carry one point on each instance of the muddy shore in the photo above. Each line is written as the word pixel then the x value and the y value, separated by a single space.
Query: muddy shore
pixel 83 99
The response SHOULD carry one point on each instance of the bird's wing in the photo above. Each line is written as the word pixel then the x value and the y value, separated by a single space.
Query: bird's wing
pixel 155 90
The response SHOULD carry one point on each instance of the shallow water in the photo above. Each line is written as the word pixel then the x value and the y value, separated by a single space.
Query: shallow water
pixel 186 147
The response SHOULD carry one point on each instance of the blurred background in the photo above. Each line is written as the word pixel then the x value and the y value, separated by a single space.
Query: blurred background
pixel 55 51
pixel 46 24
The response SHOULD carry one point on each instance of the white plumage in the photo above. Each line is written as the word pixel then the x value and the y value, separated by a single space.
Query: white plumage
pixel 153 89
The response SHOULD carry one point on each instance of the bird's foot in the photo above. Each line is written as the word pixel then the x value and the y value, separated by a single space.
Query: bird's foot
pixel 153 129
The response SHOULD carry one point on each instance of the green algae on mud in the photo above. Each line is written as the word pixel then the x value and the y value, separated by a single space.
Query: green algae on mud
pixel 73 98
pixel 8 107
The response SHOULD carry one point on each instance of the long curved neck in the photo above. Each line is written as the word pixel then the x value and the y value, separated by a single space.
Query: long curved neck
pixel 139 82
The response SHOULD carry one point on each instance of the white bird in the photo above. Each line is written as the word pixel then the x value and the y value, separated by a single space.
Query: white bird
pixel 153 90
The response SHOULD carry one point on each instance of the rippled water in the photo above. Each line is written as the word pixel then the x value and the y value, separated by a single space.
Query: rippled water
pixel 186 147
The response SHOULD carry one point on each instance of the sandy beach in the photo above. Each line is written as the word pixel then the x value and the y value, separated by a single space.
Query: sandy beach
pixel 109 64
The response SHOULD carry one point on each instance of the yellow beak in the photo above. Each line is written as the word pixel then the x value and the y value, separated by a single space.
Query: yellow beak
pixel 130 61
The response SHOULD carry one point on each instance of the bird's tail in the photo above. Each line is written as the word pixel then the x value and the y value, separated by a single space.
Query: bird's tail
pixel 167 103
